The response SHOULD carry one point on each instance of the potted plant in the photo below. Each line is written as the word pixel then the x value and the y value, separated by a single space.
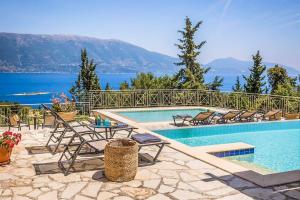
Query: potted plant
pixel 65 107
pixel 7 142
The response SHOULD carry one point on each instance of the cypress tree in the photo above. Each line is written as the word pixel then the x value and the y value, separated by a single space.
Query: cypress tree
pixel 107 87
pixel 237 86
pixel 255 81
pixel 216 84
pixel 192 73
pixel 87 78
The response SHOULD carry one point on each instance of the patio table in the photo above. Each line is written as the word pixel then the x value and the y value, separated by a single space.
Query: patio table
pixel 110 130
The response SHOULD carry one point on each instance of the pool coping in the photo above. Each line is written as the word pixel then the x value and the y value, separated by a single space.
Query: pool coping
pixel 263 180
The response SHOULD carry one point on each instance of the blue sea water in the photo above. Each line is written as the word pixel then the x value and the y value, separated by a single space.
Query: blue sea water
pixel 12 84
pixel 277 144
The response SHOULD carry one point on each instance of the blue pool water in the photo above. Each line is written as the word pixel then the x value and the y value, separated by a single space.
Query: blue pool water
pixel 159 115
pixel 277 143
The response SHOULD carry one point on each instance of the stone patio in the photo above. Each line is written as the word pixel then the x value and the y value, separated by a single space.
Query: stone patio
pixel 176 176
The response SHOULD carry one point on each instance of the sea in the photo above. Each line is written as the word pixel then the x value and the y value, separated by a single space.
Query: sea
pixel 37 88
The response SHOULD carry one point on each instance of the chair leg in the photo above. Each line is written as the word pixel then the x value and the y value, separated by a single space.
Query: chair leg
pixel 59 141
pixel 71 159
pixel 158 152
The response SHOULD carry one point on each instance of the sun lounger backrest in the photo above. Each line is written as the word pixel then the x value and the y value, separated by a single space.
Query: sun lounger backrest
pixel 231 114
pixel 203 115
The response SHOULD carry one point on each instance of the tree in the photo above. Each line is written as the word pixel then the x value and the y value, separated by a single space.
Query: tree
pixel 216 84
pixel 255 81
pixel 143 81
pixel 192 73
pixel 87 78
pixel 280 82
pixel 107 87
pixel 124 86
pixel 150 81
pixel 237 86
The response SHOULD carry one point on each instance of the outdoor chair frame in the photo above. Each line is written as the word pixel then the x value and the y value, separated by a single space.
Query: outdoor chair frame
pixel 207 119
pixel 272 115
pixel 57 135
pixel 248 116
pixel 229 116
pixel 194 120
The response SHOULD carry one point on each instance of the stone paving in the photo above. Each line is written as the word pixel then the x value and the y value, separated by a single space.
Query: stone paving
pixel 176 176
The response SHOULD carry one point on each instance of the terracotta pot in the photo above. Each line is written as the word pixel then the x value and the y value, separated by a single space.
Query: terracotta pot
pixel 68 116
pixel 5 155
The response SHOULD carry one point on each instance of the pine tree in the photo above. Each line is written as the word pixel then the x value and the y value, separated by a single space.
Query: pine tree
pixel 255 81
pixel 87 78
pixel 107 87
pixel 124 85
pixel 216 84
pixel 192 73
pixel 237 86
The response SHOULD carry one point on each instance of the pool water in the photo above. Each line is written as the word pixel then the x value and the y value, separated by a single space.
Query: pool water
pixel 277 143
pixel 158 115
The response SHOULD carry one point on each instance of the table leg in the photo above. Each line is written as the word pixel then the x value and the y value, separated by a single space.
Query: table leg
pixel 106 133
pixel 34 123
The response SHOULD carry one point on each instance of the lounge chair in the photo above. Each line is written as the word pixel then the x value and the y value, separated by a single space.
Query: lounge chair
pixel 96 144
pixel 247 116
pixel 203 118
pixel 291 116
pixel 229 117
pixel 146 139
pixel 272 115
pixel 200 118
pixel 61 131
pixel 182 118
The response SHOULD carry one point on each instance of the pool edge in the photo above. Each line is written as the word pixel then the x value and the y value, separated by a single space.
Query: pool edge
pixel 235 169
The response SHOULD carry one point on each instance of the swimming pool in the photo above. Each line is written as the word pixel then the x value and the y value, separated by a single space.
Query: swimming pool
pixel 277 143
pixel 158 115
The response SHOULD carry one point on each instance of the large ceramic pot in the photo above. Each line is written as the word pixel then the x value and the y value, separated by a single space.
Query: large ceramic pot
pixel 68 116
pixel 5 155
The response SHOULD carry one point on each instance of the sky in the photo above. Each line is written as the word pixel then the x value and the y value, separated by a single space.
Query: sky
pixel 232 28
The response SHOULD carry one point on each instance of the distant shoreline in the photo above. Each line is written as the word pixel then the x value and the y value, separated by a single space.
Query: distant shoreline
pixel 58 73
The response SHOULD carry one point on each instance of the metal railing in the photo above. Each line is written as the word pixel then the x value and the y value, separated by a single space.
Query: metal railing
pixel 164 98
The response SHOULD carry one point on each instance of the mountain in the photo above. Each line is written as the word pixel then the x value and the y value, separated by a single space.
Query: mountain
pixel 233 67
pixel 61 53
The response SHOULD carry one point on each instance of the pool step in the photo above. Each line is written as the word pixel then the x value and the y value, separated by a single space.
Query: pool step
pixel 231 149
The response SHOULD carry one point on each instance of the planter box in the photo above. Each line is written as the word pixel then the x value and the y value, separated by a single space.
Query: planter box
pixel 68 116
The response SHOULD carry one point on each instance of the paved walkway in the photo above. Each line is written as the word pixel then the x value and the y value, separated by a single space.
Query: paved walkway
pixel 177 176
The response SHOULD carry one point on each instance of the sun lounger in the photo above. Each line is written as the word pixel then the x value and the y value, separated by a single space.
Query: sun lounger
pixel 272 115
pixel 61 130
pixel 247 116
pixel 200 118
pixel 182 118
pixel 203 118
pixel 290 116
pixel 146 139
pixel 229 116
